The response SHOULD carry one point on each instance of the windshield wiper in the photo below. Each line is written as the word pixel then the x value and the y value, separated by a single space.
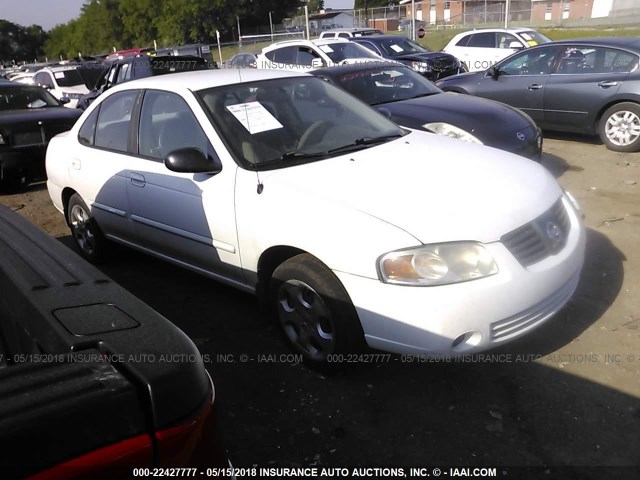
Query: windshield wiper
pixel 301 155
pixel 364 142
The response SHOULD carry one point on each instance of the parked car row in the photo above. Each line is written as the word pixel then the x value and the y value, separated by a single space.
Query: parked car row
pixel 581 86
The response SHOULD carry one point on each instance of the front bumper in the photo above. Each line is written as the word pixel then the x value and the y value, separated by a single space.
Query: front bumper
pixel 473 316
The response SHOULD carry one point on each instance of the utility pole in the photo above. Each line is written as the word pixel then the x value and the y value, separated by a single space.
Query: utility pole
pixel 271 25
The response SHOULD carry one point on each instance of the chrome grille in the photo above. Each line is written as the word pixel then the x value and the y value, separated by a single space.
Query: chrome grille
pixel 544 236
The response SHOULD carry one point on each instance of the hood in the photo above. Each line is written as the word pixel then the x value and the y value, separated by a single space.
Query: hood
pixel 486 119
pixel 436 189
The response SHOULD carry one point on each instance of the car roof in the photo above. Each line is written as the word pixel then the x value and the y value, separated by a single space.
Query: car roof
pixel 624 42
pixel 379 38
pixel 202 79
pixel 307 43
pixel 499 30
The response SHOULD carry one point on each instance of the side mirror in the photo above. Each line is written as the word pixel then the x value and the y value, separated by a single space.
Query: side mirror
pixel 384 111
pixel 494 72
pixel 516 45
pixel 192 160
pixel 317 63
pixel 46 86
pixel 64 100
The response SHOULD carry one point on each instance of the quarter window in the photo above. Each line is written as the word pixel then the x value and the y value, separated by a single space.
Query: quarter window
pixel 88 130
pixel 112 130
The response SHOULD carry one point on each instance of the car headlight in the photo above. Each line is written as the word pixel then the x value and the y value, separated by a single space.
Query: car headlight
pixel 451 131
pixel 437 264
pixel 421 67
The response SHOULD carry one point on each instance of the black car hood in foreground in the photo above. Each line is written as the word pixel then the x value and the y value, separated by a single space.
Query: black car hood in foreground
pixel 485 119
pixel 427 56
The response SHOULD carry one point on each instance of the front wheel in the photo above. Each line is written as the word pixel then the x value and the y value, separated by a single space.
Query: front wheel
pixel 619 127
pixel 85 231
pixel 314 310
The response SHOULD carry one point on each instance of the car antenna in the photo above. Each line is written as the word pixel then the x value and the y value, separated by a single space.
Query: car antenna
pixel 260 187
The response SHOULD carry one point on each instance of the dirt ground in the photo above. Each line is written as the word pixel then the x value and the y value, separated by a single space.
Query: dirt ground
pixel 566 395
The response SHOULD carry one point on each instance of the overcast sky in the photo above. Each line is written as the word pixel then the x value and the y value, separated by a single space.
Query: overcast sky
pixel 46 13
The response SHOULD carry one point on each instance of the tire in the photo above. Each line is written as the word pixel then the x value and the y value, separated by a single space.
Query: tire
pixel 619 127
pixel 314 311
pixel 14 181
pixel 86 234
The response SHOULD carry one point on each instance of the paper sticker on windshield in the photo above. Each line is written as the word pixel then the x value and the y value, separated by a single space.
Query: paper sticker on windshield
pixel 326 48
pixel 532 43
pixel 396 48
pixel 58 74
pixel 254 117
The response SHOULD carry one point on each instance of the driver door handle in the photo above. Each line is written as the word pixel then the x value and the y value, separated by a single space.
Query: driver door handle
pixel 607 84
pixel 137 179
pixel 535 86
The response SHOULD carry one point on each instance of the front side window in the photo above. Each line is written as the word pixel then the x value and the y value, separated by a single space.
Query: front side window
pixel 530 62
pixel 286 121
pixel 506 40
pixel 283 55
pixel 112 129
pixel 306 56
pixel 168 124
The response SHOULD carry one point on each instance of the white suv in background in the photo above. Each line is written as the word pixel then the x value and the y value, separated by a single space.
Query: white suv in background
pixel 480 49
pixel 306 55
pixel 63 81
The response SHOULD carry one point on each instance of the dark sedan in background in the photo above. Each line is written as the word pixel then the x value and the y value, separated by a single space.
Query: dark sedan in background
pixel 29 117
pixel 582 86
pixel 414 102
pixel 433 65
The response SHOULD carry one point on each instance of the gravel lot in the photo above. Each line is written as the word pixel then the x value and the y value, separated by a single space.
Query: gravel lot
pixel 568 394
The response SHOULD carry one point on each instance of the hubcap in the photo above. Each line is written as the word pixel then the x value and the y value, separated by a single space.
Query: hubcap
pixel 81 229
pixel 623 128
pixel 306 319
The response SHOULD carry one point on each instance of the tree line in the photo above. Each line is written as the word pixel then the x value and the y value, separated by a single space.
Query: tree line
pixel 105 24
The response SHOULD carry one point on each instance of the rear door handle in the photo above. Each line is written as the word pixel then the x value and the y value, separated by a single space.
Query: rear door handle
pixel 607 84
pixel 137 179
pixel 535 86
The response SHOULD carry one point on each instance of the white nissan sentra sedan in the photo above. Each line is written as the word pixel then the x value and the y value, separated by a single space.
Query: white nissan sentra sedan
pixel 356 231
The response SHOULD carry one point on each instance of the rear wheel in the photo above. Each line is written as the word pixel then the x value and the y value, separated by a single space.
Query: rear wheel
pixel 85 231
pixel 314 311
pixel 619 127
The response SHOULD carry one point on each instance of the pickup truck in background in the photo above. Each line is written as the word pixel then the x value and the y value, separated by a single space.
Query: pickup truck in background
pixel 93 382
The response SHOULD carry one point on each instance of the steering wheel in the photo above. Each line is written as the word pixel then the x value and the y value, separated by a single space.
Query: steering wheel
pixel 313 133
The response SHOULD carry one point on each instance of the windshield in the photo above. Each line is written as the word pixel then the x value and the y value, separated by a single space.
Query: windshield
pixel 386 84
pixel 534 38
pixel 297 119
pixel 338 52
pixel 68 78
pixel 401 46
pixel 20 98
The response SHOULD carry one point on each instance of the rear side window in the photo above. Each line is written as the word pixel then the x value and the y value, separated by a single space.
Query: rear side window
pixel 112 130
pixel 283 55
pixel 482 40
pixel 88 130
pixel 464 41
